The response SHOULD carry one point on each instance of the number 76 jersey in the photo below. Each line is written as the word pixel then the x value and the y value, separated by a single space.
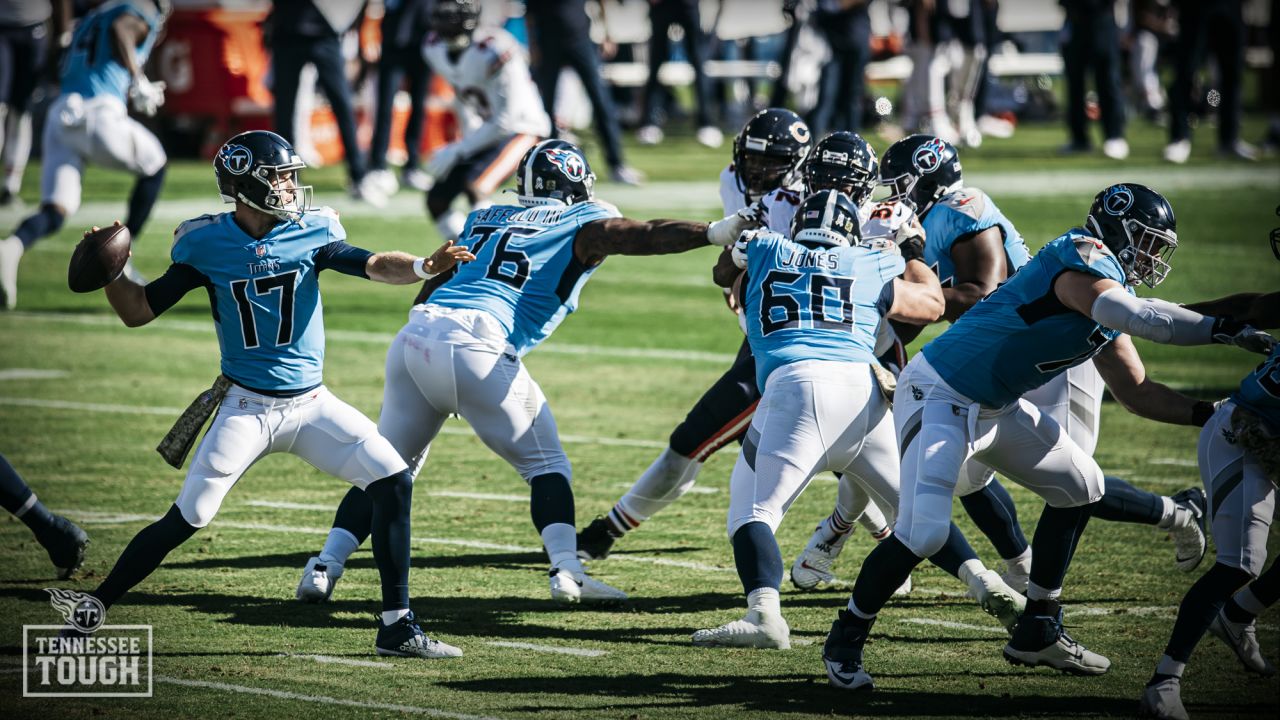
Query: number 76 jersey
pixel 814 304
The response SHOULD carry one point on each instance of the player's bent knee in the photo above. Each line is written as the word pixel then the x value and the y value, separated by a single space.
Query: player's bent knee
pixel 924 539
pixel 757 516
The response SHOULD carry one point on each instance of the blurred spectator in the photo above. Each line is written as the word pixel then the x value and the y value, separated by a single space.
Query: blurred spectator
pixel 1092 41
pixel 404 27
pixel 969 55
pixel 559 36
pixel 1151 22
pixel 1220 25
pixel 1271 84
pixel 299 32
pixel 846 25
pixel 924 93
pixel 662 15
pixel 988 122
pixel 26 51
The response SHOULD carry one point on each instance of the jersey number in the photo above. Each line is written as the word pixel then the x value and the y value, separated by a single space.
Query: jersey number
pixel 508 266
pixel 783 310
pixel 285 283
pixel 1096 340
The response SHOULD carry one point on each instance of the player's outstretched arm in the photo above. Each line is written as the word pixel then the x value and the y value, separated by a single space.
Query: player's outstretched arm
pixel 917 295
pixel 1261 310
pixel 401 268
pixel 1122 369
pixel 1110 305
pixel 979 269
pixel 624 236
pixel 129 300
pixel 726 271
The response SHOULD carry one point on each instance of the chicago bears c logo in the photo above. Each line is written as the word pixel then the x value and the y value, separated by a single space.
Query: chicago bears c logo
pixel 569 163
pixel 1117 200
pixel 236 158
pixel 928 157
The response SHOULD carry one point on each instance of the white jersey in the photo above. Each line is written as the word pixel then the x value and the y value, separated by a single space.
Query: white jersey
pixel 495 93
pixel 779 204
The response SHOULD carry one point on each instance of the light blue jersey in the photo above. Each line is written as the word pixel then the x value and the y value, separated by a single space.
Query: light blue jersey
pixel 962 214
pixel 806 304
pixel 90 67
pixel 1260 391
pixel 525 273
pixel 1021 336
pixel 265 295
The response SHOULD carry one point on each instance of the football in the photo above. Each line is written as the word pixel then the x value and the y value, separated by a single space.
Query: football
pixel 99 258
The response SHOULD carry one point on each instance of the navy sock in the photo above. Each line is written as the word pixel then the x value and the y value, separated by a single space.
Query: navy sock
pixel 392 499
pixel 1123 502
pixel 550 500
pixel 355 514
pixel 994 513
pixel 884 570
pixel 954 553
pixel 759 560
pixel 145 192
pixel 1198 607
pixel 1054 543
pixel 144 554
pixel 44 223
pixel 14 496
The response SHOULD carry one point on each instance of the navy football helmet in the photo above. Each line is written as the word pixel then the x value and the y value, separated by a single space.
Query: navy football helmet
pixel 455 20
pixel 842 161
pixel 1136 223
pixel 920 170
pixel 827 218
pixel 768 150
pixel 554 172
pixel 260 169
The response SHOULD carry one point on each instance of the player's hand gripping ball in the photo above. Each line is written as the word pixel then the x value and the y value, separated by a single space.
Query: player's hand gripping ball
pixel 99 258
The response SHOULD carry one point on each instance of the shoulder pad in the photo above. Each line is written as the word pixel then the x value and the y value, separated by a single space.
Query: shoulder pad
pixel 967 201
pixel 192 225
pixel 1090 249
pixel 324 211
pixel 608 207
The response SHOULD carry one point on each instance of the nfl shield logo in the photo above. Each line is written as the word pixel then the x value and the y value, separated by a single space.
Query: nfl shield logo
pixel 260 250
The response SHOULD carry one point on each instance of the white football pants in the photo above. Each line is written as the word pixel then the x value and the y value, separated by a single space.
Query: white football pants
pixel 1242 501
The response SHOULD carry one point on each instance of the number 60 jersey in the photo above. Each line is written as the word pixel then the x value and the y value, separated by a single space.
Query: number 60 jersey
pixel 814 303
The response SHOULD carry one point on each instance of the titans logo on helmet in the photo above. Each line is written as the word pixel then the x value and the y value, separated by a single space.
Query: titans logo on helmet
pixel 569 163
pixel 1117 200
pixel 236 158
pixel 928 157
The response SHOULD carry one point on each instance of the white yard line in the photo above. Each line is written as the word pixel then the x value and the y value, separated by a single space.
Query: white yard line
pixel 954 625
pixel 1177 462
pixel 331 660
pixel 31 374
pixel 580 652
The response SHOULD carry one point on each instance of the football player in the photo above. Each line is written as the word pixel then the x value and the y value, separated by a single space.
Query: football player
pixel 1240 466
pixel 461 350
pixel 60 537
pixel 499 110
pixel 974 248
pixel 961 397
pixel 89 123
pixel 260 265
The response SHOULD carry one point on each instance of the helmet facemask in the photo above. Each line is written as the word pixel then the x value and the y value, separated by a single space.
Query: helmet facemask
pixel 284 197
pixel 855 183
pixel 760 174
pixel 1146 253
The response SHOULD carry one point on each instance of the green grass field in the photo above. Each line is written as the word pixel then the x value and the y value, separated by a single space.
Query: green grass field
pixel 650 336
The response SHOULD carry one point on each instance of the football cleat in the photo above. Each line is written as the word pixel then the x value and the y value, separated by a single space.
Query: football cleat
pixel 904 589
pixel 1017 574
pixel 11 250
pixel 318 581
pixel 65 542
pixel 568 589
pixel 596 539
pixel 1041 640
pixel 1163 701
pixel 1188 537
pixel 755 630
pixel 998 599
pixel 1242 638
pixel 842 653
pixel 403 638
pixel 813 566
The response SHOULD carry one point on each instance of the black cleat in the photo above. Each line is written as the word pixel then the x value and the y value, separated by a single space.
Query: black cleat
pixel 1040 640
pixel 595 540
pixel 842 653
pixel 404 638
pixel 66 544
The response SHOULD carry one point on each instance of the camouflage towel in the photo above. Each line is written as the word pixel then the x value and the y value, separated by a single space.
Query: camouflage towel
pixel 1259 440
pixel 175 445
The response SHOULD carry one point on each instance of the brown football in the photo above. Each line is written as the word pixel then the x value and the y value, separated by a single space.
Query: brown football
pixel 99 258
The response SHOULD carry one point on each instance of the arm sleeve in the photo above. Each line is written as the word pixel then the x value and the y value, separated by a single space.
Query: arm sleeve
pixel 1152 319
pixel 346 259
pixel 168 289
pixel 885 302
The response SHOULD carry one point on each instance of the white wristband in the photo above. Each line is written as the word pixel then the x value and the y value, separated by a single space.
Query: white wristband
pixel 421 271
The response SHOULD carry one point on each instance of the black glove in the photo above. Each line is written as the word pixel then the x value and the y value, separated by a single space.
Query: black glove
pixel 1229 331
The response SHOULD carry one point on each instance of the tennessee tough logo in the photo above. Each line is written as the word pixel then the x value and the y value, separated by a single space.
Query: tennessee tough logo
pixel 569 163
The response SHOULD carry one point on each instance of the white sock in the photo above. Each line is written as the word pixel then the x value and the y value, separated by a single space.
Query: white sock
pixel 561 542
pixel 853 608
pixel 450 224
pixel 1169 666
pixel 337 548
pixel 969 571
pixel 665 480
pixel 764 600
pixel 1168 514
pixel 1035 592
pixel 1021 564
pixel 1249 602
pixel 390 616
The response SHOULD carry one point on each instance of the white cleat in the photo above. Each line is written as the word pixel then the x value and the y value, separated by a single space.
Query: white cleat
pixel 848 675
pixel 710 136
pixel 10 254
pixel 998 599
pixel 1177 152
pixel 1041 641
pixel 1188 529
pixel 417 179
pixel 370 191
pixel 755 630
pixel 1116 148
pixel 904 589
pixel 813 566
pixel 649 135
pixel 385 180
pixel 318 581
pixel 1163 701
pixel 571 590
pixel 133 274
pixel 1242 638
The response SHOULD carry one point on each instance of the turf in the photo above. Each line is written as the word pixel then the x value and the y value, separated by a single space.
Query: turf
pixel 650 336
